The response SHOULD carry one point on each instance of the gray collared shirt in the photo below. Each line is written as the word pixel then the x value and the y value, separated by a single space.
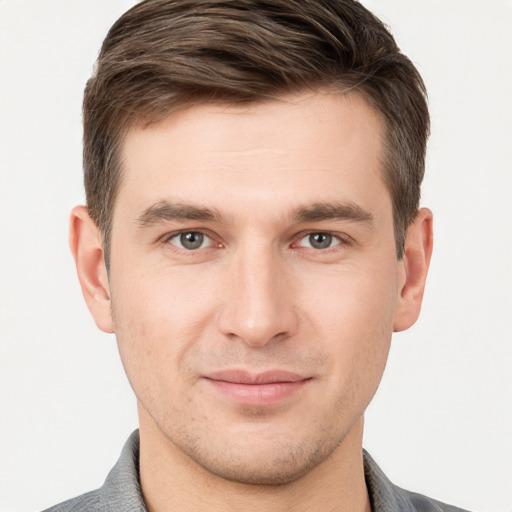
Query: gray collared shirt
pixel 121 491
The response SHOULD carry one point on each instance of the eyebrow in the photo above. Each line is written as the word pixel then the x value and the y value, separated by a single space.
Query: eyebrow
pixel 333 211
pixel 168 211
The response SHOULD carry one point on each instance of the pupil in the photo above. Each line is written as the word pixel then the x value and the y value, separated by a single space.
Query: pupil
pixel 191 240
pixel 320 240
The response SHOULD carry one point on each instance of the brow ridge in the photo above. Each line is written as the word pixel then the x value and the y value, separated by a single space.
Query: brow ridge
pixel 165 211
pixel 333 211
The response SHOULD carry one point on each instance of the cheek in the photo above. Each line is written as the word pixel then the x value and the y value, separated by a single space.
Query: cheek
pixel 351 315
pixel 173 299
pixel 157 319
pixel 351 300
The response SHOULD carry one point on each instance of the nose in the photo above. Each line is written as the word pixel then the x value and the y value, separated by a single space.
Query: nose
pixel 258 304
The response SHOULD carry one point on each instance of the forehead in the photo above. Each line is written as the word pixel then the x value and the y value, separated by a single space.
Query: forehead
pixel 302 148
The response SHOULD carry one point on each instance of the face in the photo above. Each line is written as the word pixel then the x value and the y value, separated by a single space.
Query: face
pixel 254 280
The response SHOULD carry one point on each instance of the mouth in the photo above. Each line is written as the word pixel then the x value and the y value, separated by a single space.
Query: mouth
pixel 257 389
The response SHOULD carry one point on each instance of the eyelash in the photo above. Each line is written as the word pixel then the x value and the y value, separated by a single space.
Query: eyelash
pixel 343 241
pixel 167 239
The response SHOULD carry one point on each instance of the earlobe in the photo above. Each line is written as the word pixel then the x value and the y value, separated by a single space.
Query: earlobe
pixel 415 263
pixel 86 246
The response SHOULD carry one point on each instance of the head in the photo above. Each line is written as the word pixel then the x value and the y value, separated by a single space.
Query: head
pixel 252 170
pixel 163 56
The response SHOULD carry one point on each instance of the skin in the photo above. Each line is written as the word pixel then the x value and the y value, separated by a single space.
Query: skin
pixel 257 295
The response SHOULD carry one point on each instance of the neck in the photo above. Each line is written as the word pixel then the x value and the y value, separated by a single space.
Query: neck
pixel 172 481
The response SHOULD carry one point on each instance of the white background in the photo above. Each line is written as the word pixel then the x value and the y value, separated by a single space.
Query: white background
pixel 441 423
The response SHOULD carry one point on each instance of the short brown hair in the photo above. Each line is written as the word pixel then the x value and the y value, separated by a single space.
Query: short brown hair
pixel 163 55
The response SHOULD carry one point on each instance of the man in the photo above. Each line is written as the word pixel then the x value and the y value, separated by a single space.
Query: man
pixel 253 237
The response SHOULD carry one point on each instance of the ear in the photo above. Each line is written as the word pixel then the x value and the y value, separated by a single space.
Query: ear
pixel 87 248
pixel 414 268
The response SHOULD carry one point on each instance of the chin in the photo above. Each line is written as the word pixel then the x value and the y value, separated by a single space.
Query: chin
pixel 266 473
pixel 264 464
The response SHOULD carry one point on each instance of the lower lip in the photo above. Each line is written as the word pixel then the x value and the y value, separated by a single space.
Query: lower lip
pixel 258 394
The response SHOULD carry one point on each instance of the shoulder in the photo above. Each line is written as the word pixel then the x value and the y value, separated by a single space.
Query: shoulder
pixel 388 497
pixel 421 503
pixel 89 502
pixel 121 491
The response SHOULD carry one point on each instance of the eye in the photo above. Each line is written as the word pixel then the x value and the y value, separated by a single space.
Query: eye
pixel 319 241
pixel 190 240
